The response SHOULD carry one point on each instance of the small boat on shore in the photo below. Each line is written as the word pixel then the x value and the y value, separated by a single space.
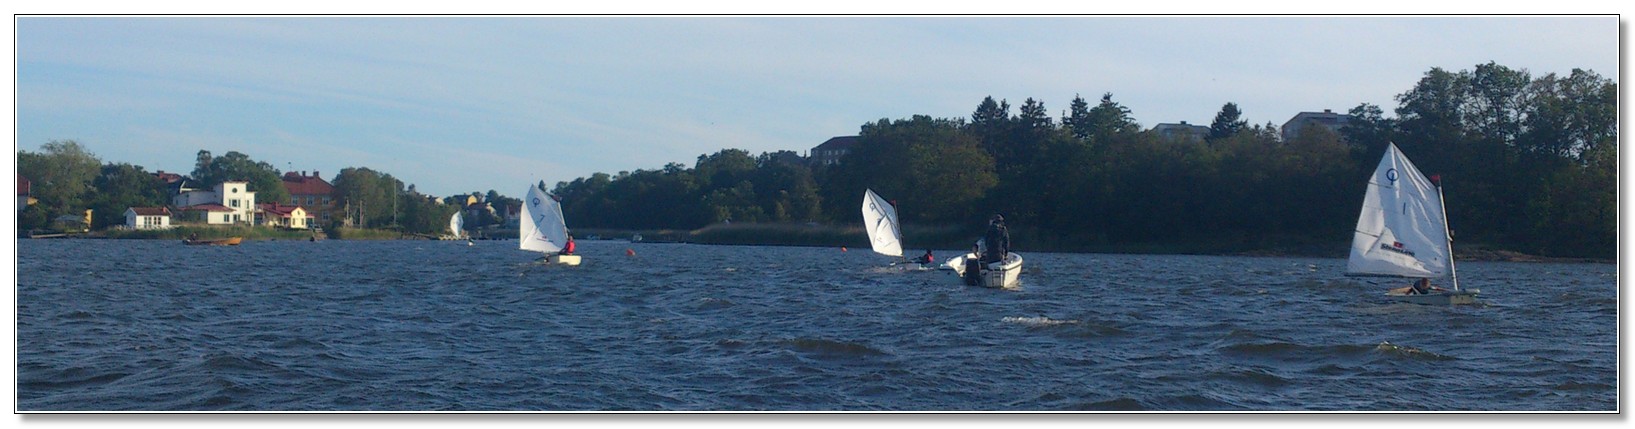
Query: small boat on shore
pixel 232 241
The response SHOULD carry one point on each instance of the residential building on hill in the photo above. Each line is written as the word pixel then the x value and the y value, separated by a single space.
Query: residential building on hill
pixel 830 152
pixel 1326 118
pixel 1181 131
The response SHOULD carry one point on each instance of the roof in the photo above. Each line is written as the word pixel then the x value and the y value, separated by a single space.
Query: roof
pixel 168 178
pixel 278 209
pixel 842 142
pixel 206 207
pixel 150 211
pixel 300 184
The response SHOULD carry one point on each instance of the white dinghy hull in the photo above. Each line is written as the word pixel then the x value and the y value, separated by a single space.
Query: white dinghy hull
pixel 1006 274
pixel 563 259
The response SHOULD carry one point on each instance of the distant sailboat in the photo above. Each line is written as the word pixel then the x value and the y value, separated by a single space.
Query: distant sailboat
pixel 542 227
pixel 456 228
pixel 1402 231
pixel 880 221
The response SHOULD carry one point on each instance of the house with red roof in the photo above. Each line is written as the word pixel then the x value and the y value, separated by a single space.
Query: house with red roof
pixel 312 193
pixel 147 218
pixel 282 216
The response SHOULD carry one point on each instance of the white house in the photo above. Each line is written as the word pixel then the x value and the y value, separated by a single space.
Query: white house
pixel 147 218
pixel 210 214
pixel 235 196
pixel 278 215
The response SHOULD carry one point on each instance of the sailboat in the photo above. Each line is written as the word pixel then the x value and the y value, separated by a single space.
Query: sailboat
pixel 1403 232
pixel 456 227
pixel 885 233
pixel 542 228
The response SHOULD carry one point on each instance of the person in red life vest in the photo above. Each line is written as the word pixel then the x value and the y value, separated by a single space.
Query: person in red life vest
pixel 567 249
pixel 925 259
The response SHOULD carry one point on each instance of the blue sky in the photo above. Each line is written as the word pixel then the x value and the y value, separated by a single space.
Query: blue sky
pixel 460 104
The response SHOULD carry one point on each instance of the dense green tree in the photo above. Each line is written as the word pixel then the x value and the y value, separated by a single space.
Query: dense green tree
pixel 120 187
pixel 1109 120
pixel 1228 122
pixel 261 177
pixel 62 175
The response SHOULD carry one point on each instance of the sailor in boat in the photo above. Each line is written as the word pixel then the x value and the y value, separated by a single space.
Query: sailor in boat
pixel 925 259
pixel 1420 287
pixel 567 249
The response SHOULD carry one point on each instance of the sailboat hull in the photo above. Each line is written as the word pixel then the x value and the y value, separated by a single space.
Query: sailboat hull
pixel 1464 297
pixel 563 259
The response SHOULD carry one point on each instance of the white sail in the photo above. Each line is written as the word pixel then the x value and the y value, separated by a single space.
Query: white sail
pixel 455 224
pixel 542 227
pixel 1402 230
pixel 880 220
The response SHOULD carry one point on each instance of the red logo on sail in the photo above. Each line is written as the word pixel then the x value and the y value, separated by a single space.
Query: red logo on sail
pixel 1396 246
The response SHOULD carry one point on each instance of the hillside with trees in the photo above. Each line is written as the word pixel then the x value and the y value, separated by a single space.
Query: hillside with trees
pixel 1529 163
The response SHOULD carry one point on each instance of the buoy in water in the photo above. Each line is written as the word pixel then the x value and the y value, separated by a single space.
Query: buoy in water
pixel 842 248
pixel 629 252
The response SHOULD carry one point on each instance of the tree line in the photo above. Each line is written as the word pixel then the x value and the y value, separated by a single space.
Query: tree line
pixel 1529 163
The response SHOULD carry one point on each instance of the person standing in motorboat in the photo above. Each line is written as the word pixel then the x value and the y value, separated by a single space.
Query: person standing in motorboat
pixel 997 240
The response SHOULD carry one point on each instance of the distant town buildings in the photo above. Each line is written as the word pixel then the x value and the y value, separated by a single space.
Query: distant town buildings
pixel 830 152
pixel 1181 132
pixel 1327 118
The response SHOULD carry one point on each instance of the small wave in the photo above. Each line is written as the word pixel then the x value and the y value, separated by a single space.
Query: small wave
pixel 713 303
pixel 832 347
pixel 1040 321
pixel 234 362
pixel 1410 352
pixel 1272 348
pixel 1256 376
pixel 1119 404
pixel 1573 385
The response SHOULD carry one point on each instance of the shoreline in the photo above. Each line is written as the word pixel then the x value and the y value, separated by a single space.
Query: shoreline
pixel 854 237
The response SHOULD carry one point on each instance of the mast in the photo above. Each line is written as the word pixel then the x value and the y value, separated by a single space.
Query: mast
pixel 1447 231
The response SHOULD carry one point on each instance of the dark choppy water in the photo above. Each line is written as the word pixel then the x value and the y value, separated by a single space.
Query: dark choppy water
pixel 419 325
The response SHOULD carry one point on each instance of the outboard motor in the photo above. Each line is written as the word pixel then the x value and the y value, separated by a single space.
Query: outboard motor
pixel 973 271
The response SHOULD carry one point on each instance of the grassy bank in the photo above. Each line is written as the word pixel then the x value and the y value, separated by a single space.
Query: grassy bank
pixel 210 232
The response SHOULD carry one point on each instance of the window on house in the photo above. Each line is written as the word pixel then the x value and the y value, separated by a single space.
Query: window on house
pixel 233 203
pixel 309 200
